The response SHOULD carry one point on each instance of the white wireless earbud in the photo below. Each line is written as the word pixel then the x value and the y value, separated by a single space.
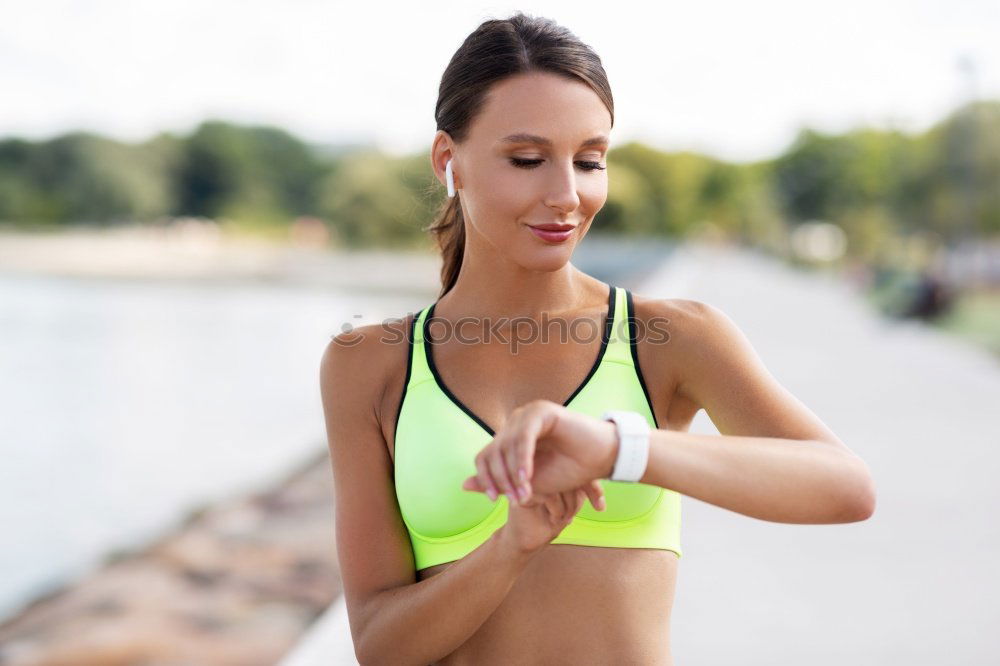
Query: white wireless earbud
pixel 449 179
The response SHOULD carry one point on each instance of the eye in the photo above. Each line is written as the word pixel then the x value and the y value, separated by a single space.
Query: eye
pixel 531 164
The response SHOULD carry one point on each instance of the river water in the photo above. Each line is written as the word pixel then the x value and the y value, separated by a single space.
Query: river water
pixel 124 404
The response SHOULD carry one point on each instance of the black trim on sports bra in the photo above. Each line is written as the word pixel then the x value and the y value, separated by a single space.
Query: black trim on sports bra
pixel 633 334
pixel 606 335
pixel 409 365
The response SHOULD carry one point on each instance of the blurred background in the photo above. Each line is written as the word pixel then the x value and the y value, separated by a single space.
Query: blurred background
pixel 194 197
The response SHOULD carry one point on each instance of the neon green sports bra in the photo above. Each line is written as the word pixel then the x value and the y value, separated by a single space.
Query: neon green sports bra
pixel 438 437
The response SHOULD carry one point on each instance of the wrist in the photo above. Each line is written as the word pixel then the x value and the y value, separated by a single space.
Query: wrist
pixel 632 432
pixel 610 449
pixel 512 550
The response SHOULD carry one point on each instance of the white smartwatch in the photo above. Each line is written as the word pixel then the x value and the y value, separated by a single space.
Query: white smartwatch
pixel 633 444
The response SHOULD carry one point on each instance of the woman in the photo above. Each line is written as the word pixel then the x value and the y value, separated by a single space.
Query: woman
pixel 429 418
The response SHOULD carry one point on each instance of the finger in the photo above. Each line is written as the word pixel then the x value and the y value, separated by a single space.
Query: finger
pixel 564 507
pixel 595 492
pixel 472 484
pixel 570 499
pixel 521 486
pixel 552 505
pixel 532 502
pixel 523 458
pixel 541 417
pixel 498 470
pixel 484 477
pixel 575 501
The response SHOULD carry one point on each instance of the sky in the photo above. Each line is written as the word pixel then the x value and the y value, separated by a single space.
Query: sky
pixel 732 79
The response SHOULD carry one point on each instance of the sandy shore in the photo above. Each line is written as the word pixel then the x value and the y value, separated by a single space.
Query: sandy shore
pixel 192 250
pixel 199 251
pixel 237 583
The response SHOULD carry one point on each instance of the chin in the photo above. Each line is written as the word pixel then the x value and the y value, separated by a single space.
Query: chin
pixel 547 258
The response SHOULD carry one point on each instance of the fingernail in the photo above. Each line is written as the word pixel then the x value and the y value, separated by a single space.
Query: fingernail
pixel 511 497
pixel 522 474
pixel 492 493
pixel 522 492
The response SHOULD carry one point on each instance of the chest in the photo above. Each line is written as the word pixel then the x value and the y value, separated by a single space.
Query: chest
pixel 438 439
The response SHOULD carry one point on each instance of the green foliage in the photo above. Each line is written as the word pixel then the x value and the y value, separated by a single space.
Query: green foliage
pixel 82 177
pixel 976 316
pixel 260 173
pixel 374 200
pixel 878 185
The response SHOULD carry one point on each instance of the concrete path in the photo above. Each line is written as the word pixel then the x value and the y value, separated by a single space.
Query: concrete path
pixel 916 583
pixel 328 642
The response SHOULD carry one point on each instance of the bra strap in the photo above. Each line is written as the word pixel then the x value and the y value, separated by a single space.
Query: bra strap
pixel 419 370
pixel 618 343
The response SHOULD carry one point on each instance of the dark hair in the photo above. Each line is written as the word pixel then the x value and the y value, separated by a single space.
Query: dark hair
pixel 496 50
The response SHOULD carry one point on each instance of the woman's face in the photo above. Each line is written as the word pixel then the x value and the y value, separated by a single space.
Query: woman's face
pixel 508 181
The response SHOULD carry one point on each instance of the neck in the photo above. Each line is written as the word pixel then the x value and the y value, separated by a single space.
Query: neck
pixel 499 288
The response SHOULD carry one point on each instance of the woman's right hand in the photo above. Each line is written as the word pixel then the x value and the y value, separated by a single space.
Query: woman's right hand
pixel 532 525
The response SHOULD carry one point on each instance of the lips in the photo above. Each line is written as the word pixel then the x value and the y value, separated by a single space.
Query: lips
pixel 553 233
pixel 553 227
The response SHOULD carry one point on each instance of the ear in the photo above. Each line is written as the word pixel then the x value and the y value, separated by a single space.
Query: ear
pixel 442 150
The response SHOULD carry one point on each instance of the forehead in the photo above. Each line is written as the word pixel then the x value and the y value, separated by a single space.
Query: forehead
pixel 540 103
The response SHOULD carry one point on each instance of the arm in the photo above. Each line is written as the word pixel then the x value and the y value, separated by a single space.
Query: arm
pixel 774 460
pixel 780 480
pixel 423 622
pixel 393 618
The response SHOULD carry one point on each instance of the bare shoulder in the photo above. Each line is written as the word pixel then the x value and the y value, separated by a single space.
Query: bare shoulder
pixel 680 321
pixel 373 548
pixel 719 370
pixel 689 341
pixel 666 328
pixel 710 354
pixel 370 360
pixel 678 308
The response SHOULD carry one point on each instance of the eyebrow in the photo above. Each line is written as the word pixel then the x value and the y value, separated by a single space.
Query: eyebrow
pixel 524 137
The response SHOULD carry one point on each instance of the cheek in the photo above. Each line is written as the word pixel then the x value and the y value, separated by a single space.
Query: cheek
pixel 502 200
pixel 593 192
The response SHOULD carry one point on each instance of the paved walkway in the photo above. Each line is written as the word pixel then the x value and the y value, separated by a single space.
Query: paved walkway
pixel 916 583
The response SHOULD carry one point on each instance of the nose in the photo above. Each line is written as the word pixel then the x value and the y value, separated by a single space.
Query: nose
pixel 562 189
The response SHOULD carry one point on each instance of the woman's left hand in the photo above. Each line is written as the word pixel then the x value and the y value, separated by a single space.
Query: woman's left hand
pixel 557 449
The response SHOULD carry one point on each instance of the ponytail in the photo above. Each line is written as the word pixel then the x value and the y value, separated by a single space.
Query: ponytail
pixel 449 234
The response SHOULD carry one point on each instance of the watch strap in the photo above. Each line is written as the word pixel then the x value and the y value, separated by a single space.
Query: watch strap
pixel 633 444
